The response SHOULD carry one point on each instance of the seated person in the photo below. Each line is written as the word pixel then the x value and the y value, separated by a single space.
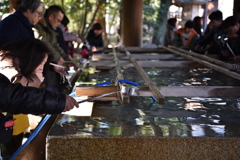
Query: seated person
pixel 186 36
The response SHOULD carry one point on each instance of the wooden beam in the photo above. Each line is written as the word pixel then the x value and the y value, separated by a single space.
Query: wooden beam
pixel 157 95
pixel 167 91
pixel 124 99
pixel 104 67
pixel 98 90
pixel 107 64
pixel 132 49
pixel 206 63
pixel 95 90
pixel 209 59
pixel 114 98
pixel 141 49
pixel 201 91
pixel 153 56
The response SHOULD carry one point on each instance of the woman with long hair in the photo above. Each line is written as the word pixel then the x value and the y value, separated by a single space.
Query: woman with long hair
pixel 24 61
pixel 198 25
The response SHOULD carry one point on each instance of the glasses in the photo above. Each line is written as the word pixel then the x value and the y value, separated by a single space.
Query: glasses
pixel 40 14
pixel 57 19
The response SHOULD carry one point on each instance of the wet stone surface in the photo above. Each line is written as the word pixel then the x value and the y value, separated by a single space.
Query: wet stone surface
pixel 182 128
pixel 178 117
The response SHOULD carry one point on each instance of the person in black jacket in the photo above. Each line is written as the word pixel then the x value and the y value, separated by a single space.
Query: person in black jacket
pixel 230 41
pixel 208 43
pixel 17 99
pixel 19 24
pixel 94 37
pixel 198 25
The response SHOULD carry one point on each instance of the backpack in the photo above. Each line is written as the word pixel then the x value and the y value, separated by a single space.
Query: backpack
pixel 6 127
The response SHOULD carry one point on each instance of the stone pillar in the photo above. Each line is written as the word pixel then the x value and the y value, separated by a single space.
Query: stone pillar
pixel 132 23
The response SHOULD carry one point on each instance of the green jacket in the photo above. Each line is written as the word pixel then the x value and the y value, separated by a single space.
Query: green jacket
pixel 45 33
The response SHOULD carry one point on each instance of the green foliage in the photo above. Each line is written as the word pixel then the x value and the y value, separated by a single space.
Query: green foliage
pixel 150 19
pixel 162 19
pixel 83 13
pixel 150 12
pixel 154 20
pixel 4 6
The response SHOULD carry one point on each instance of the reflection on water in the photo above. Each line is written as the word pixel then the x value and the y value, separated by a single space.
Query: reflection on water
pixel 178 117
pixel 170 120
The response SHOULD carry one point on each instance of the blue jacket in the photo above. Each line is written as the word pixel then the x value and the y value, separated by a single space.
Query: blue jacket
pixel 15 27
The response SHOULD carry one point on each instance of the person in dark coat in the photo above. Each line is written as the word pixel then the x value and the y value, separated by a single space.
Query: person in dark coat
pixel 18 99
pixel 92 41
pixel 94 37
pixel 198 25
pixel 60 39
pixel 230 41
pixel 24 61
pixel 169 34
pixel 208 43
pixel 19 24
pixel 45 31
